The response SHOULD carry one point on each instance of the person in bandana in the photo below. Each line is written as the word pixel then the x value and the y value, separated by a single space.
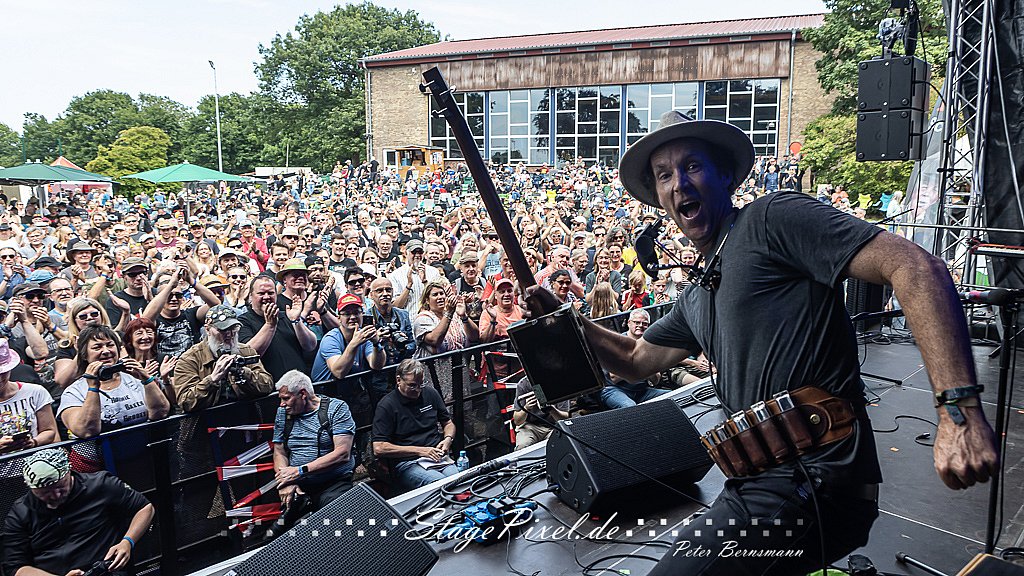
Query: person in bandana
pixel 69 521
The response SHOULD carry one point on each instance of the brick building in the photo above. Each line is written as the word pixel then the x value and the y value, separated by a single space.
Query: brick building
pixel 546 97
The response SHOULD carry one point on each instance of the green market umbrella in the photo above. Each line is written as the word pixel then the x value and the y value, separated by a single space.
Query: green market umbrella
pixel 185 173
pixel 34 174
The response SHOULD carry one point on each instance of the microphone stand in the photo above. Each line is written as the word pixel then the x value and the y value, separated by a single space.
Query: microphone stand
pixel 870 316
pixel 1008 314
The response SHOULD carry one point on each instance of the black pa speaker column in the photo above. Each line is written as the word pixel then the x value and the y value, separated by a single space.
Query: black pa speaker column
pixel 656 438
pixel 892 94
pixel 356 535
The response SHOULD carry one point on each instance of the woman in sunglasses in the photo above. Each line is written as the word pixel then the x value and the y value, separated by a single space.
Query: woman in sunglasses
pixel 237 293
pixel 81 313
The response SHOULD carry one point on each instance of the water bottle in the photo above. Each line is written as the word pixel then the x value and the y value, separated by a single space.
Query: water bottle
pixel 463 462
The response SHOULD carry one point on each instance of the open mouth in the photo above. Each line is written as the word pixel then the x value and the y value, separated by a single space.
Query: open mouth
pixel 689 209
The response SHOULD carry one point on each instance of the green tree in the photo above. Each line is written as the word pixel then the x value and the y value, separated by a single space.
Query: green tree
pixel 92 120
pixel 136 149
pixel 168 115
pixel 829 151
pixel 244 132
pixel 40 138
pixel 849 36
pixel 10 146
pixel 314 75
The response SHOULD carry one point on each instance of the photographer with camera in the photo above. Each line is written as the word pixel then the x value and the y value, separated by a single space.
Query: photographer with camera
pixel 72 523
pixel 218 368
pixel 352 347
pixel 395 329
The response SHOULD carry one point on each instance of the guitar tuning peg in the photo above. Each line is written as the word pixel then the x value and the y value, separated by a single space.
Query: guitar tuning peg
pixel 437 113
pixel 423 88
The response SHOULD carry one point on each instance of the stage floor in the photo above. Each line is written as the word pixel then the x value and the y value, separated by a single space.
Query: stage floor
pixel 919 515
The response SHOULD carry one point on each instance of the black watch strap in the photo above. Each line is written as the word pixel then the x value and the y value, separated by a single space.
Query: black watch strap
pixel 954 395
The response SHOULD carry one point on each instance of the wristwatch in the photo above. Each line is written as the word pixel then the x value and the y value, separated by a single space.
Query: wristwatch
pixel 303 470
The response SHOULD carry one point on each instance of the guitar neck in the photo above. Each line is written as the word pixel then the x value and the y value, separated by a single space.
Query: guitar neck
pixel 471 154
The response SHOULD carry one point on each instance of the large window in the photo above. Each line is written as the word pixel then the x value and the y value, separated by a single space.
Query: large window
pixel 519 122
pixel 750 105
pixel 472 107
pixel 645 103
pixel 598 122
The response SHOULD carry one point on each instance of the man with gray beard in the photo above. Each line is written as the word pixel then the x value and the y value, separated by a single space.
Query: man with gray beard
pixel 219 368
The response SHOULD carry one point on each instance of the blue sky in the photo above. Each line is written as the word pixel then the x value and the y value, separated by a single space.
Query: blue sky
pixel 53 50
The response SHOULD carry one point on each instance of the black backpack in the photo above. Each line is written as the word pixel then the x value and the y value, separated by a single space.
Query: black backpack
pixel 325 425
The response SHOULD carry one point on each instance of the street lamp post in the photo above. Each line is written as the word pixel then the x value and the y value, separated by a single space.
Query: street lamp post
pixel 216 108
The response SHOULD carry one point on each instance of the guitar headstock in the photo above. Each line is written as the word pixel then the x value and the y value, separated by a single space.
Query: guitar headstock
pixel 436 86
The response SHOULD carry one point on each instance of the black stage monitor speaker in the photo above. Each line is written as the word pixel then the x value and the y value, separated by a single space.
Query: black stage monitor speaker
pixel 356 535
pixel 656 438
pixel 863 296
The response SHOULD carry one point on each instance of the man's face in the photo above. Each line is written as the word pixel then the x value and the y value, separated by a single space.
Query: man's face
pixel 293 404
pixel 263 292
pixel 60 291
pixel 382 292
pixel 393 232
pixel 415 256
pixel 9 257
pixel 410 386
pixel 338 247
pixel 248 231
pixel 505 295
pixel 174 299
pixel 351 316
pixel 35 237
pixel 560 259
pixel 167 230
pixel 227 338
pixel 470 270
pixel 691 189
pixel 638 325
pixel 136 277
pixel 280 256
pixel 291 240
pixel 384 244
pixel 615 253
pixel 433 254
pixel 296 281
pixel 55 494
pixel 561 286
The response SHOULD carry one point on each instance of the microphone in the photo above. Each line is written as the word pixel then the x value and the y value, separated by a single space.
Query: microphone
pixel 993 297
pixel 644 247
pixel 480 470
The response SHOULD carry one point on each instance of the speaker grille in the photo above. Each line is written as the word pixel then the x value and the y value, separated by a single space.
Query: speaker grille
pixel 656 438
pixel 356 535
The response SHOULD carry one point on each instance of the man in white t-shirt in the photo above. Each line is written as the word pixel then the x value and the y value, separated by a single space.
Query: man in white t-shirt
pixel 410 278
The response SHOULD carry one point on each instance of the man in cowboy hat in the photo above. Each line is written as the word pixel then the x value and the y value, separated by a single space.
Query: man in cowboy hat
pixel 99 518
pixel 773 274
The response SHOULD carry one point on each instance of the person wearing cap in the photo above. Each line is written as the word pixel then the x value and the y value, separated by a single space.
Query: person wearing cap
pixel 777 271
pixel 297 293
pixel 499 312
pixel 167 229
pixel 349 348
pixel 136 293
pixel 219 368
pixel 26 409
pixel 100 518
pixel 410 278
pixel 49 264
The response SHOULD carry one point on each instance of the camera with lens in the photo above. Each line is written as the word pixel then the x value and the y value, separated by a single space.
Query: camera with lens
pixel 108 372
pixel 241 362
pixel 400 338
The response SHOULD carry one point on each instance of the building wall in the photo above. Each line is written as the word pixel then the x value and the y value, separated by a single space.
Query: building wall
pixel 399 112
pixel 809 99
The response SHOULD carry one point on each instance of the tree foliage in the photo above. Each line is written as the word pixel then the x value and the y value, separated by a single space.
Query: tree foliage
pixel 136 149
pixel 313 73
pixel 10 147
pixel 829 151
pixel 40 139
pixel 849 36
pixel 245 133
pixel 93 120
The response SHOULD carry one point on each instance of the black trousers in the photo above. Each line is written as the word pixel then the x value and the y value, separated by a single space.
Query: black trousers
pixel 769 526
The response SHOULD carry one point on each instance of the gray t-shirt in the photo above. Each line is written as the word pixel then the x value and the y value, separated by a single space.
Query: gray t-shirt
pixel 302 442
pixel 778 320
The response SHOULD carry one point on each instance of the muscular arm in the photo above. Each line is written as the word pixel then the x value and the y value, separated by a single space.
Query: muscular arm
pixel 630 359
pixel 963 454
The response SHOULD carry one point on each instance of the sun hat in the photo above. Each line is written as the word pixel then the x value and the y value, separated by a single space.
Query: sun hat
pixel 635 165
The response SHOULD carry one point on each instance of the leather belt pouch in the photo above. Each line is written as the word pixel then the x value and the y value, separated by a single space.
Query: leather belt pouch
pixel 816 420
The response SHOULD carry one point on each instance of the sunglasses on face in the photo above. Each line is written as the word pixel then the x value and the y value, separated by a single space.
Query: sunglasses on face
pixel 56 290
pixel 134 273
pixel 237 276
pixel 356 282
pixel 92 315
pixel 176 296
pixel 7 256
pixel 235 246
